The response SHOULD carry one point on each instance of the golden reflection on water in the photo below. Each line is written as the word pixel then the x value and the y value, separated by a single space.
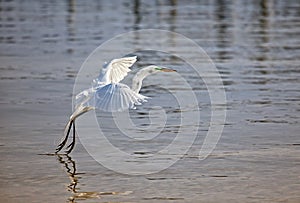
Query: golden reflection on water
pixel 69 166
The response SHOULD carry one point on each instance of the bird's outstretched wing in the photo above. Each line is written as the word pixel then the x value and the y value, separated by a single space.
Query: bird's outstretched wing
pixel 116 97
pixel 116 70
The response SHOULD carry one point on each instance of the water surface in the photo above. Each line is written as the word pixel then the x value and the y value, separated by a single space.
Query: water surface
pixel 255 46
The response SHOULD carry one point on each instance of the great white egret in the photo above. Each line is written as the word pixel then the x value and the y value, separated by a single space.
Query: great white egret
pixel 108 94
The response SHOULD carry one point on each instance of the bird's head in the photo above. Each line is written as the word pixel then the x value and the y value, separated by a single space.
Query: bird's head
pixel 149 70
pixel 155 69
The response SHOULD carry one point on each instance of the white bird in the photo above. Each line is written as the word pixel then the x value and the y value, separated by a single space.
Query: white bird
pixel 108 94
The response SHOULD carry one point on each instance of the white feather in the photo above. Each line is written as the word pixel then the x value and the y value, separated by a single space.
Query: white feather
pixel 115 97
pixel 116 70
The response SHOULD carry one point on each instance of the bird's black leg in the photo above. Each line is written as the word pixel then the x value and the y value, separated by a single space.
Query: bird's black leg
pixel 71 146
pixel 63 143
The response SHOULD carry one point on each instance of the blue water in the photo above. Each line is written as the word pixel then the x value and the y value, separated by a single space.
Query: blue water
pixel 255 46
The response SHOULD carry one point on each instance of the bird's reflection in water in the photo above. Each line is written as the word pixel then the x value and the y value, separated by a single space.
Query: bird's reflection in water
pixel 70 167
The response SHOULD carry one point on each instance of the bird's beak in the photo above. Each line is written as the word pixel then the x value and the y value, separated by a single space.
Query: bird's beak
pixel 167 70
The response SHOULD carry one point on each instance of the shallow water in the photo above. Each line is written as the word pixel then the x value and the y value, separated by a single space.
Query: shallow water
pixel 255 46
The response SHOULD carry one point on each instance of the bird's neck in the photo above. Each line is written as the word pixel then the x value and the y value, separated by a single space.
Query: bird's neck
pixel 137 80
